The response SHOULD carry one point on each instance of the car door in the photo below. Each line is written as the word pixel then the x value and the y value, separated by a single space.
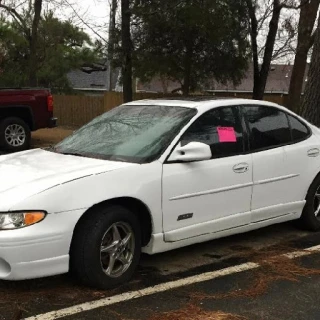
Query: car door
pixel 204 197
pixel 302 158
pixel 269 133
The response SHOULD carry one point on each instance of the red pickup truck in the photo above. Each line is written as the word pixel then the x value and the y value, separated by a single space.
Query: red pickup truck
pixel 23 111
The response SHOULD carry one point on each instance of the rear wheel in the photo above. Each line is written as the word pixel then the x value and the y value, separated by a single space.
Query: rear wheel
pixel 15 134
pixel 311 213
pixel 106 247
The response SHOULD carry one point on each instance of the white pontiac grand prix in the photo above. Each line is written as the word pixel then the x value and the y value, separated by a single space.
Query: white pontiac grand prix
pixel 154 175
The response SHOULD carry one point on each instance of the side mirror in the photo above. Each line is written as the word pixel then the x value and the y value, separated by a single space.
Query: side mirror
pixel 193 151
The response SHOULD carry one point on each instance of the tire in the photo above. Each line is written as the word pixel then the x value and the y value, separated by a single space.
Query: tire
pixel 310 220
pixel 15 134
pixel 96 231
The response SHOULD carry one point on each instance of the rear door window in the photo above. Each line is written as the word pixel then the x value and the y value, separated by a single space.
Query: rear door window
pixel 268 127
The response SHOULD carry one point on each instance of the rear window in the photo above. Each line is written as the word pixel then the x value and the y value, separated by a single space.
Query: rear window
pixel 299 130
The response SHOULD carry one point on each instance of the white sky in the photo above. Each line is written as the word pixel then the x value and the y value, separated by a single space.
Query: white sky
pixel 96 12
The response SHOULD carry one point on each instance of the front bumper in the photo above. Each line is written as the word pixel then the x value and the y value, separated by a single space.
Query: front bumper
pixel 40 250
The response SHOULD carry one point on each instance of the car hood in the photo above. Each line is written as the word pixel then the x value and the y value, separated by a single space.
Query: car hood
pixel 27 173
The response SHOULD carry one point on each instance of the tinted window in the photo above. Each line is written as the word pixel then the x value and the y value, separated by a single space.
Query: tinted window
pixel 298 129
pixel 269 127
pixel 220 129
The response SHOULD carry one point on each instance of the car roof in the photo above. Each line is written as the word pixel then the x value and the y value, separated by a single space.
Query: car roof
pixel 200 103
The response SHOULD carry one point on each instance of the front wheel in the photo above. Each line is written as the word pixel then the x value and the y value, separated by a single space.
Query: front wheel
pixel 15 134
pixel 106 247
pixel 310 217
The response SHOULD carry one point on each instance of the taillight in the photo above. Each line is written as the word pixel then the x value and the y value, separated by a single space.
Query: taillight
pixel 50 103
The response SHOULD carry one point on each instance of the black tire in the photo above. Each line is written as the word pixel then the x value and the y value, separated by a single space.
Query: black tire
pixel 308 218
pixel 24 129
pixel 85 259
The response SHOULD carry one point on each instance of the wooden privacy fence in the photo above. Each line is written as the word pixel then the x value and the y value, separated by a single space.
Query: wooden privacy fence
pixel 75 111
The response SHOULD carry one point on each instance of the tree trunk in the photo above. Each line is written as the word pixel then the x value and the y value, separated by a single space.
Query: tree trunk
pixel 311 100
pixel 261 81
pixel 164 84
pixel 254 44
pixel 111 42
pixel 187 67
pixel 187 77
pixel 33 60
pixel 308 16
pixel 126 51
pixel 297 77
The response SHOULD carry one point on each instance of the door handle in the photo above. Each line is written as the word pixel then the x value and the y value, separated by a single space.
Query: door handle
pixel 313 152
pixel 241 168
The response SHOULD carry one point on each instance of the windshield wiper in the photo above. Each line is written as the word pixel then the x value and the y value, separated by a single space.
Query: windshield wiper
pixel 72 154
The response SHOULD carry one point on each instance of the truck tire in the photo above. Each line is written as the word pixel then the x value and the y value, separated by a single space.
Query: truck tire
pixel 15 134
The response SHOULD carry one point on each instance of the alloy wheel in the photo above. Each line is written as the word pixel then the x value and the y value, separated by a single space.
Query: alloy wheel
pixel 15 135
pixel 117 249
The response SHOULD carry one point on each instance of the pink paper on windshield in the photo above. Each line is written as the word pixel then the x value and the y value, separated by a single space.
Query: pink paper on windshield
pixel 227 134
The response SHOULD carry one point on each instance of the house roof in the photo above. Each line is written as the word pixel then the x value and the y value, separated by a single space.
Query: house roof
pixel 278 81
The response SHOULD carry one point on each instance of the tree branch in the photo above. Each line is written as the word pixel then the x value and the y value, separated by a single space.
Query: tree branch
pixel 84 22
pixel 313 36
pixel 13 12
pixel 288 6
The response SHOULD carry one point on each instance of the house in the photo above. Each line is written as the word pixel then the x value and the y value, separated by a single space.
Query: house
pixel 278 82
pixel 96 81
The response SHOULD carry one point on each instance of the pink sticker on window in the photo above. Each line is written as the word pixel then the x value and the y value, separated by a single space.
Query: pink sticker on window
pixel 227 134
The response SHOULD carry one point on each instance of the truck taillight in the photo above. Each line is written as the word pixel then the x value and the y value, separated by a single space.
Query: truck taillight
pixel 50 103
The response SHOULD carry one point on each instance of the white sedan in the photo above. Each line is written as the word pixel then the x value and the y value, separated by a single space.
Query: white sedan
pixel 152 176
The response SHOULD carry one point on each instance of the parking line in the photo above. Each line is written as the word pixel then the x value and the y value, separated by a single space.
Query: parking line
pixel 87 306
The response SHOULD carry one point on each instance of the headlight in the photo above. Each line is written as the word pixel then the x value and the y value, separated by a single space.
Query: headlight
pixel 16 220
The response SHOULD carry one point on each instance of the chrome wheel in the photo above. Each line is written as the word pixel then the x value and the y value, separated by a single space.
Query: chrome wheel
pixel 316 203
pixel 15 135
pixel 117 249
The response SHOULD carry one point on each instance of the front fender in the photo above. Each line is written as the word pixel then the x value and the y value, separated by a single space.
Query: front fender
pixel 141 182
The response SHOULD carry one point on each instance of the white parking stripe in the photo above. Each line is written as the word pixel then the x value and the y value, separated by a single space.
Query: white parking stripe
pixel 87 306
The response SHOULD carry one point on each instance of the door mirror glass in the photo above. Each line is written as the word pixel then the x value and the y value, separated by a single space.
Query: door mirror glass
pixel 193 151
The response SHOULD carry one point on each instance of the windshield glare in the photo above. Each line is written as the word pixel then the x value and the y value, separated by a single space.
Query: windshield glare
pixel 128 133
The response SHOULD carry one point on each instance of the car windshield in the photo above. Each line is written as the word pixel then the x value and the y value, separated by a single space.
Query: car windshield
pixel 137 134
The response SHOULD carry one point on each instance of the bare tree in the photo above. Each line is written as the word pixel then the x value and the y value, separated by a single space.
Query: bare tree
pixel 273 14
pixel 308 15
pixel 286 35
pixel 81 18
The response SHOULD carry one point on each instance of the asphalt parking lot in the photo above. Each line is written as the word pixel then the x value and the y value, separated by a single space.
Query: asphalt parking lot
pixel 239 277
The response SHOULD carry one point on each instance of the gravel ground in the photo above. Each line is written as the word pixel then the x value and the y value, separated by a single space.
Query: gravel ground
pixel 47 137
